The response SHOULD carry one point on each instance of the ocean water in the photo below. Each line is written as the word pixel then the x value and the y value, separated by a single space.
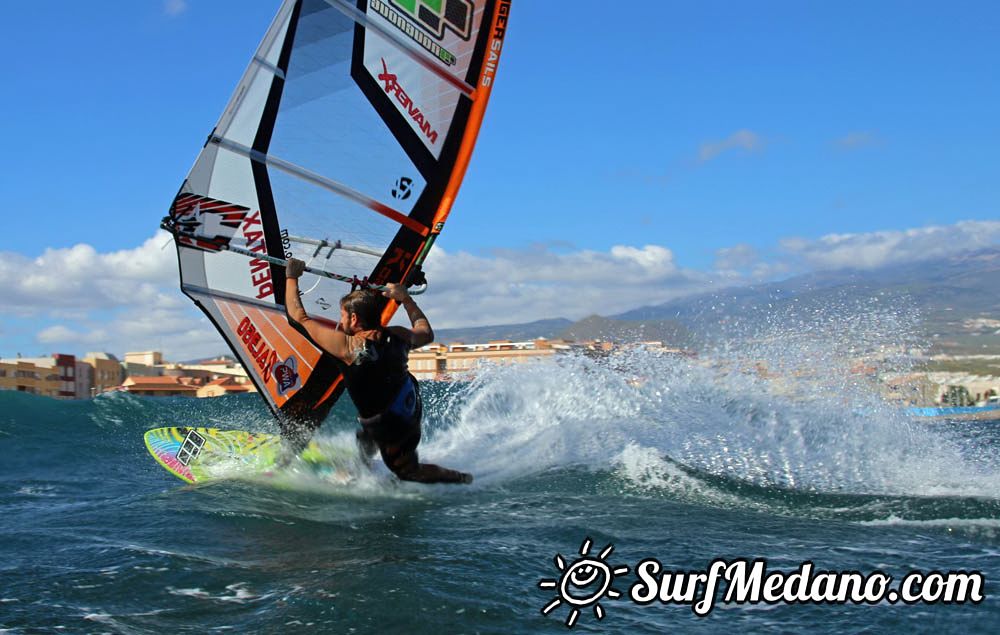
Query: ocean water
pixel 659 457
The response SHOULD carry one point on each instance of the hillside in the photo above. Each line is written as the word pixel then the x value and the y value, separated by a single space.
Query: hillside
pixel 956 298
pixel 548 329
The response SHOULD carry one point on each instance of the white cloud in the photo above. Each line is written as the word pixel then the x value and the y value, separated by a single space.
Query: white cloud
pixel 180 333
pixel 60 334
pixel 652 260
pixel 874 249
pixel 520 286
pixel 130 300
pixel 122 300
pixel 174 8
pixel 737 257
pixel 80 279
pixel 741 139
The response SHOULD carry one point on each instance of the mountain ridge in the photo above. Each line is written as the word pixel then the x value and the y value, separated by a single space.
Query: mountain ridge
pixel 949 293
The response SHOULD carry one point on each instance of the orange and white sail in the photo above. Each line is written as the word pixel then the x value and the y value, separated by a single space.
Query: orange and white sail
pixel 343 145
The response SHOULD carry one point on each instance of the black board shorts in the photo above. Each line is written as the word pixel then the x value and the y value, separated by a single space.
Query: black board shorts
pixel 397 430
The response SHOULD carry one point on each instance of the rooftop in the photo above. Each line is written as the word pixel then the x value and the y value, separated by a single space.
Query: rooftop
pixel 158 384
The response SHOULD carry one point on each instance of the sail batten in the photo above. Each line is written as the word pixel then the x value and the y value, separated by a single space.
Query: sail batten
pixel 343 145
pixel 269 67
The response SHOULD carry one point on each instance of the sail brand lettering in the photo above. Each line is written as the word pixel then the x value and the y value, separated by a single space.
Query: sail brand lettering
pixel 392 87
pixel 260 270
pixel 286 244
pixel 263 355
pixel 496 44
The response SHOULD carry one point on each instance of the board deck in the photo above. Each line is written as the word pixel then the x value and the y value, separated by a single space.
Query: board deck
pixel 199 455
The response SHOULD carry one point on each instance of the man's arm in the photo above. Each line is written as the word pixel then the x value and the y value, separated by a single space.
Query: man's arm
pixel 332 340
pixel 420 330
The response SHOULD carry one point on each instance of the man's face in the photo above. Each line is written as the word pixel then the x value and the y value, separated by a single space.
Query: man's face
pixel 348 321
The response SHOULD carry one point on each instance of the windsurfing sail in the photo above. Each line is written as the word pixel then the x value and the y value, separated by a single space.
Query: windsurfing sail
pixel 344 145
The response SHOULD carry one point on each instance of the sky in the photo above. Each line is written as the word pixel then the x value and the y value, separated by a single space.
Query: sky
pixel 631 153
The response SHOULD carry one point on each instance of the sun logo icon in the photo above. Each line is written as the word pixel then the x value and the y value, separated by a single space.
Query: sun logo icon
pixel 583 583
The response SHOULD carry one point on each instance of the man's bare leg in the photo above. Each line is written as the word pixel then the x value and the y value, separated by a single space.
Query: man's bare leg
pixel 407 466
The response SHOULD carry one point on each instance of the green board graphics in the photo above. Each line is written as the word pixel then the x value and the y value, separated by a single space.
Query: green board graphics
pixel 199 455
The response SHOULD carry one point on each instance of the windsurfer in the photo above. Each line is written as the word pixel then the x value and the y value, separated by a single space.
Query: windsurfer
pixel 385 393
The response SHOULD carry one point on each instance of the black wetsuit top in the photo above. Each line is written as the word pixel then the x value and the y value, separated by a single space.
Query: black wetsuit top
pixel 388 402
pixel 378 374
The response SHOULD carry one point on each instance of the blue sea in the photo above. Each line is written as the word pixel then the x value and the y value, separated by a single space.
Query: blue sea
pixel 618 459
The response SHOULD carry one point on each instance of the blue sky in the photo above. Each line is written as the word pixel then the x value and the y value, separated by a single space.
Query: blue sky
pixel 679 145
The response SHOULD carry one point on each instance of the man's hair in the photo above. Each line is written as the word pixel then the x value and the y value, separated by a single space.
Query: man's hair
pixel 366 304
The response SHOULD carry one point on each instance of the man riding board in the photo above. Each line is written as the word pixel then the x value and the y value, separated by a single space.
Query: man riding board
pixel 385 393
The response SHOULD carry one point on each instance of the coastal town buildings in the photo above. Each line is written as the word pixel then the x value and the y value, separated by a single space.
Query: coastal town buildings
pixel 144 358
pixel 440 362
pixel 25 376
pixel 150 376
pixel 938 388
pixel 67 377
pixel 108 372
pixel 159 387
pixel 142 364
pixel 52 376
pixel 225 386
pixel 186 385
pixel 61 376
pixel 84 379
pixel 443 362
pixel 146 373
pixel 218 367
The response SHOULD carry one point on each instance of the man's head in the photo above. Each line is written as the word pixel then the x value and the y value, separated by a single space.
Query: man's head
pixel 360 310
